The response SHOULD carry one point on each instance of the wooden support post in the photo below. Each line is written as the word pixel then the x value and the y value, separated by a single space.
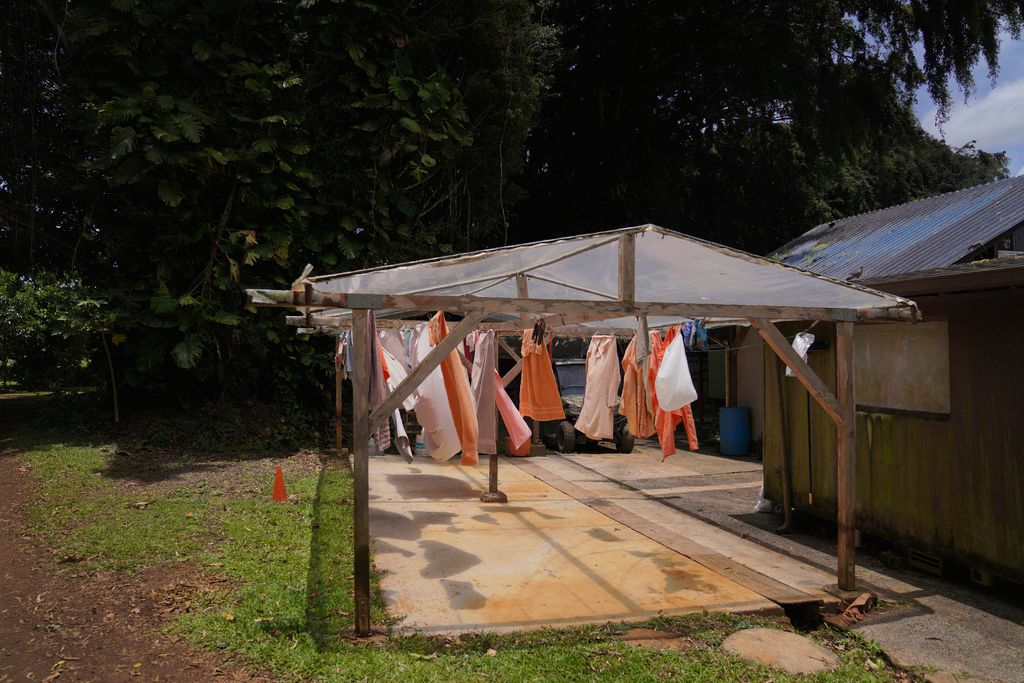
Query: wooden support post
pixel 493 494
pixel 846 462
pixel 424 368
pixel 361 466
pixel 522 291
pixel 513 373
pixel 627 268
pixel 781 346
pixel 339 371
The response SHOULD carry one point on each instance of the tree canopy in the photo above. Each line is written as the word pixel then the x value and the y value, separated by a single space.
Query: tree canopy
pixel 164 153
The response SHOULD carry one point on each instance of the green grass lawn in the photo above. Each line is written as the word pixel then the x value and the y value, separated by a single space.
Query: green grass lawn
pixel 287 603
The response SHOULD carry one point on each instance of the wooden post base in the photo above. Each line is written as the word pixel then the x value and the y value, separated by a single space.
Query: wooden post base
pixel 493 497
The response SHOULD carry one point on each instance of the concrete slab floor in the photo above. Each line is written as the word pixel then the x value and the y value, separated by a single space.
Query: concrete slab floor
pixel 451 563
pixel 928 623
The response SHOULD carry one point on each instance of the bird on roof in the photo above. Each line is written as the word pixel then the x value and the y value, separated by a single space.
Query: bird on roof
pixel 856 273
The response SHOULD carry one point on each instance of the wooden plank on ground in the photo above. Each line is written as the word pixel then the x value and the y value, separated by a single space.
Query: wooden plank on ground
pixel 761 584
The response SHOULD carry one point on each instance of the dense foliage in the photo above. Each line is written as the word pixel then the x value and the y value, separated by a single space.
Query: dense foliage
pixel 748 123
pixel 166 153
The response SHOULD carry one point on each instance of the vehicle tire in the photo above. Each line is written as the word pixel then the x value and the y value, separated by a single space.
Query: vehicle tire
pixel 624 441
pixel 565 437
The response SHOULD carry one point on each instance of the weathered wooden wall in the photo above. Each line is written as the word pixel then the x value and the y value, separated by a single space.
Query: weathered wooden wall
pixel 952 487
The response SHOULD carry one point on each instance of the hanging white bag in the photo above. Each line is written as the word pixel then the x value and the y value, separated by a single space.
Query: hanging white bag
pixel 673 385
pixel 801 344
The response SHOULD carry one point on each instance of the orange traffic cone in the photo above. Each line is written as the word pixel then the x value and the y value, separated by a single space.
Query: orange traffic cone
pixel 279 495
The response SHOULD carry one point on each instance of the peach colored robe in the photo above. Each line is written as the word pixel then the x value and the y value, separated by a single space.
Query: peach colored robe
pixel 665 423
pixel 635 405
pixel 538 391
pixel 460 394
pixel 596 418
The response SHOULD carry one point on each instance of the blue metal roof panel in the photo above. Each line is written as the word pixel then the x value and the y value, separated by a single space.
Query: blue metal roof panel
pixel 928 233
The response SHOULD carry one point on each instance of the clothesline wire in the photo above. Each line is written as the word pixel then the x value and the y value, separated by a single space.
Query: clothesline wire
pixel 790 338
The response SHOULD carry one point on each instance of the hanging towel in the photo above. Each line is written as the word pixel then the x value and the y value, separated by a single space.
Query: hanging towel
pixel 401 437
pixel 518 431
pixel 460 395
pixel 538 391
pixel 340 360
pixel 397 373
pixel 634 405
pixel 483 391
pixel 350 358
pixel 391 341
pixel 601 393
pixel 378 387
pixel 665 423
pixel 431 404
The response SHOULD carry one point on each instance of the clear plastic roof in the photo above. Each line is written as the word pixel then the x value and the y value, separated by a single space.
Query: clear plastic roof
pixel 670 268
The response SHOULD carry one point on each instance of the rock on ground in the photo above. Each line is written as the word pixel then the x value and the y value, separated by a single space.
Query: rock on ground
pixel 790 652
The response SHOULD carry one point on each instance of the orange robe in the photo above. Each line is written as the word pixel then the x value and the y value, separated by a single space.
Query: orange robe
pixel 538 391
pixel 635 406
pixel 665 423
pixel 460 395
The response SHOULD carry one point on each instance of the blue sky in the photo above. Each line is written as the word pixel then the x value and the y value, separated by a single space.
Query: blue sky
pixel 994 116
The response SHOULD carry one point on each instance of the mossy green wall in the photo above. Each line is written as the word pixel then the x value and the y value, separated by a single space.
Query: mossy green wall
pixel 954 488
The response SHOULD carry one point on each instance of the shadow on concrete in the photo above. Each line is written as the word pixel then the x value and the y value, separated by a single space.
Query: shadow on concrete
pixel 432 486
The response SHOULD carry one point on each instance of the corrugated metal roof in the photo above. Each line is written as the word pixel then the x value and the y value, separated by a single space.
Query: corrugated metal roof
pixel 929 233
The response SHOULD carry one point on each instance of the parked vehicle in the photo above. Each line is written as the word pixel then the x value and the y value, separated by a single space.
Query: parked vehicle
pixel 571 375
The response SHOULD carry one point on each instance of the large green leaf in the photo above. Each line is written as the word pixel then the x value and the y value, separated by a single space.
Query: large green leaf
pixel 187 352
pixel 170 192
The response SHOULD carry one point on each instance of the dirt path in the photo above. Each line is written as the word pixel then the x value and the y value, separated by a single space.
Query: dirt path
pixel 60 622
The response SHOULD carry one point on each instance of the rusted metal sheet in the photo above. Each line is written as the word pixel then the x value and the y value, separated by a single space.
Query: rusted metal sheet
pixel 929 233
pixel 951 487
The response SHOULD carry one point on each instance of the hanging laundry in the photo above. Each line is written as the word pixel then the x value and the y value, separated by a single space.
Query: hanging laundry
pixel 431 404
pixel 518 431
pixel 340 361
pixel 635 406
pixel 642 342
pixel 460 395
pixel 601 393
pixel 391 341
pixel 396 374
pixel 378 387
pixel 483 391
pixel 401 437
pixel 699 338
pixel 350 357
pixel 665 423
pixel 538 390
pixel 408 339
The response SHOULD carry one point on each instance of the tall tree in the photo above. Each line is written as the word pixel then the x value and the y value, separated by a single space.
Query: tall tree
pixel 731 120
pixel 175 149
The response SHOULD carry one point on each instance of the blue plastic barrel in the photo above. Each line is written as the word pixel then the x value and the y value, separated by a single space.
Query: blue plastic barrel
pixel 734 430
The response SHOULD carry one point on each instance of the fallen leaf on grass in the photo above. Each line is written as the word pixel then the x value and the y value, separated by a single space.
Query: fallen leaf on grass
pixel 141 505
pixel 228 616
pixel 417 655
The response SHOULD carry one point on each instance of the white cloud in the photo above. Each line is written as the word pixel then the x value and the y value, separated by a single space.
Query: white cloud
pixel 995 120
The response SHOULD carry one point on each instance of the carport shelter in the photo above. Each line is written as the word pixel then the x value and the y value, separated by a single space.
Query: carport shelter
pixel 594 282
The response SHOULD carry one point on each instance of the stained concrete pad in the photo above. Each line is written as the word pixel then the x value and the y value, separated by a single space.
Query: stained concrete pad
pixel 450 563
pixel 791 652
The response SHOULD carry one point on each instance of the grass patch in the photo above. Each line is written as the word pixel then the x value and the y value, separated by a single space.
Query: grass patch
pixel 288 602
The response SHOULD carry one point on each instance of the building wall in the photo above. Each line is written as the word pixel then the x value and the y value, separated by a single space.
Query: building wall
pixel 953 487
pixel 750 378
